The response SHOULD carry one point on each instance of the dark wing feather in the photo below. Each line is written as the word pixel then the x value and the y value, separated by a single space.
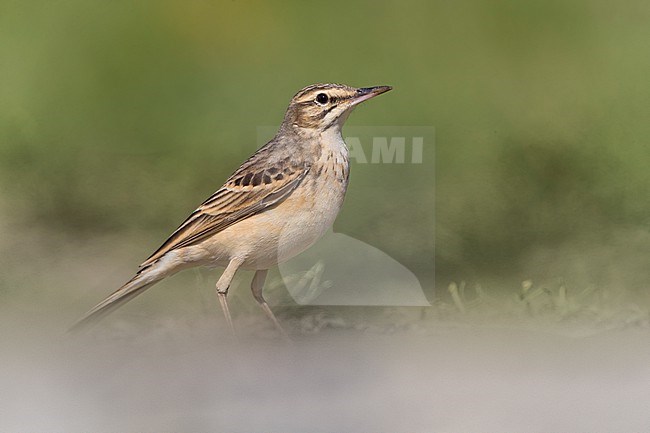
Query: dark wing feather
pixel 246 193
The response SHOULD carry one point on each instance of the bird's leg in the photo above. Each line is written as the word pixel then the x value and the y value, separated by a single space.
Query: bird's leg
pixel 222 290
pixel 256 286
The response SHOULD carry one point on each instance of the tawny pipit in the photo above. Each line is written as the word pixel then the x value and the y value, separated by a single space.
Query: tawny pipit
pixel 277 204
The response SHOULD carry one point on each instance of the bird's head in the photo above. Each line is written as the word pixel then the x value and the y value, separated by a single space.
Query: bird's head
pixel 319 107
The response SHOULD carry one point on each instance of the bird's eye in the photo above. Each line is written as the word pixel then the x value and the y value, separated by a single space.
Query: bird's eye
pixel 322 98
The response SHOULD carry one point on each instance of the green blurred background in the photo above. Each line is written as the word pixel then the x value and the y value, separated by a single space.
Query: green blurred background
pixel 118 118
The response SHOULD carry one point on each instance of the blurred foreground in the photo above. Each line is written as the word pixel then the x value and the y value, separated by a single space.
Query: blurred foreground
pixel 180 376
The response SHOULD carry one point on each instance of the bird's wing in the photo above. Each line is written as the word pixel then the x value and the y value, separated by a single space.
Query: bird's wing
pixel 249 191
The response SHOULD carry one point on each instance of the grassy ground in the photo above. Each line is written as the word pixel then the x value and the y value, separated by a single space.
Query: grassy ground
pixel 529 359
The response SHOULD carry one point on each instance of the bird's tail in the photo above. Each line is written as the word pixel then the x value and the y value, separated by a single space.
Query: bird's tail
pixel 144 279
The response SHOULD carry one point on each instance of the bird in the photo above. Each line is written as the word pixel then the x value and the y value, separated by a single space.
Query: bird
pixel 277 204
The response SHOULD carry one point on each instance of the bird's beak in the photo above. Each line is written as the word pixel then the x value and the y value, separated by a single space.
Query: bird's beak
pixel 365 93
